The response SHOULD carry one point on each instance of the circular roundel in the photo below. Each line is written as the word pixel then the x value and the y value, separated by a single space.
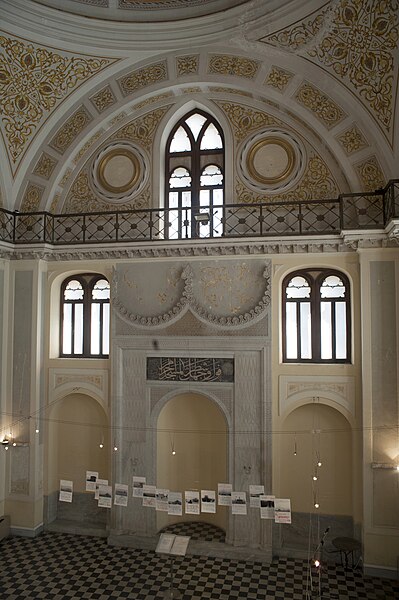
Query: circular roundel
pixel 271 161
pixel 118 172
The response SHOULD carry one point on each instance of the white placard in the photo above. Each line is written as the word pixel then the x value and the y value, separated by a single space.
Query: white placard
pixel 192 502
pixel 208 501
pixel 238 503
pixel 66 490
pixel 91 478
pixel 98 483
pixel 255 492
pixel 149 495
pixel 138 483
pixel 282 510
pixel 121 494
pixel 267 507
pixel 105 496
pixel 224 494
pixel 161 500
pixel 175 503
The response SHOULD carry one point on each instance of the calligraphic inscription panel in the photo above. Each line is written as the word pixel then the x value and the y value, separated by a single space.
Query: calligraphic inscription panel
pixel 220 370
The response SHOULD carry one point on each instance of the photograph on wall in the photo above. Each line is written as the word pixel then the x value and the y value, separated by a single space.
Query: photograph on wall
pixel 175 503
pixel 91 478
pixel 138 483
pixel 239 503
pixel 224 494
pixel 282 510
pixel 121 494
pixel 161 500
pixel 255 492
pixel 149 495
pixel 208 501
pixel 105 496
pixel 66 490
pixel 267 507
pixel 98 483
pixel 192 502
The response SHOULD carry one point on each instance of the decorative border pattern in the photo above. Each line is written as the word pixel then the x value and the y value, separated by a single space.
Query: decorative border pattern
pixel 324 109
pixel 71 130
pixel 239 66
pixel 143 77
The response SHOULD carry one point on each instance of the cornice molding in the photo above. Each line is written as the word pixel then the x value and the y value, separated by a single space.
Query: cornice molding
pixel 348 242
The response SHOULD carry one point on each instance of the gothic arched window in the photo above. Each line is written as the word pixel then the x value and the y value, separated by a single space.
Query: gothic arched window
pixel 316 317
pixel 85 312
pixel 194 178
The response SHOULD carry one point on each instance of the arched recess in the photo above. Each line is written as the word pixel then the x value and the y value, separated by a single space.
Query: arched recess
pixel 316 432
pixel 77 424
pixel 194 427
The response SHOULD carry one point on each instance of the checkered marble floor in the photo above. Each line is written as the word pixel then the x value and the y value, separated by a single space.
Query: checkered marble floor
pixel 64 567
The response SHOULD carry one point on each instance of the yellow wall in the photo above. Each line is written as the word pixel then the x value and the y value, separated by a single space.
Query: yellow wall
pixel 197 429
pixel 334 485
pixel 77 425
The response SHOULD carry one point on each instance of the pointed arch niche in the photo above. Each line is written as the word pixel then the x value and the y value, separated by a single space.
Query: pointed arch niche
pixel 195 428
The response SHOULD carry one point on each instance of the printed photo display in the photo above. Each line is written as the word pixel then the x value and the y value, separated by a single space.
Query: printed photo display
pixel 195 502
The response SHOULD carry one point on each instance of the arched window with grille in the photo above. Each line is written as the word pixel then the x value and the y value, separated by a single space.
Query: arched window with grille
pixel 316 317
pixel 194 164
pixel 85 316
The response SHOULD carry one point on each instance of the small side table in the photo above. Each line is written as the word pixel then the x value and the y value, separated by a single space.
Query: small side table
pixel 346 547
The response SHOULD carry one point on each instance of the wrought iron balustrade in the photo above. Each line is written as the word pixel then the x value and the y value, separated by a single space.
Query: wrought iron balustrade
pixel 363 211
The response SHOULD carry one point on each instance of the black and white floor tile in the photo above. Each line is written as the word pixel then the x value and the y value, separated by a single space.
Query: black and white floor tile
pixel 57 566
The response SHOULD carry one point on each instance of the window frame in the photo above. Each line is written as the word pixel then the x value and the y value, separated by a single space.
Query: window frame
pixel 88 282
pixel 189 228
pixel 315 278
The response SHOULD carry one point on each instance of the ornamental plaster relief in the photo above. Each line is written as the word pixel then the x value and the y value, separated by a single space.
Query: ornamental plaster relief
pixel 70 130
pixel 233 295
pixel 94 382
pixel 338 392
pixel 33 82
pixel 144 77
pixel 32 197
pixel 45 166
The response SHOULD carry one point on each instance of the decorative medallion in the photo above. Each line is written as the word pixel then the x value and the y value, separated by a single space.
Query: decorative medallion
pixel 118 172
pixel 271 160
pixel 187 65
pixel 278 78
pixel 103 99
pixel 45 166
pixel 352 140
pixel 371 174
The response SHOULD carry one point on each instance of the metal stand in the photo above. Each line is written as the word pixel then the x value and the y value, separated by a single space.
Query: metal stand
pixel 316 590
pixel 172 593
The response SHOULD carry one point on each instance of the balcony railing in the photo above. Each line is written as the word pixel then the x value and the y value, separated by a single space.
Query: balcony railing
pixel 363 211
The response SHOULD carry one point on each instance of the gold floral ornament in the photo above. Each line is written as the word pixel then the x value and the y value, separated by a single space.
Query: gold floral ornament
pixel 358 45
pixel 45 166
pixel 278 78
pixel 142 130
pixel 325 109
pixel 143 77
pixel 71 129
pixel 244 119
pixel 32 198
pixel 32 82
pixel 233 65
pixel 371 174
pixel 352 140
pixel 187 65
